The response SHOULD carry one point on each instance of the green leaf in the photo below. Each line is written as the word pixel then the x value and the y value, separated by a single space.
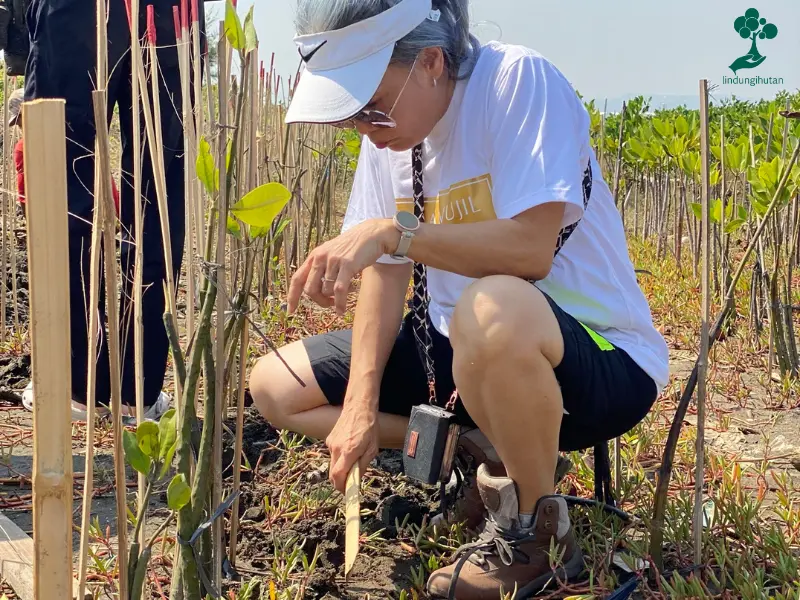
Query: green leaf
pixel 260 206
pixel 228 152
pixel 206 168
pixel 742 213
pixel 682 125
pixel 167 431
pixel 715 211
pixel 133 454
pixel 713 177
pixel 768 173
pixel 697 209
pixel 168 459
pixel 734 225
pixel 353 146
pixel 147 436
pixel 178 493
pixel 233 227
pixel 233 27
pixel 250 35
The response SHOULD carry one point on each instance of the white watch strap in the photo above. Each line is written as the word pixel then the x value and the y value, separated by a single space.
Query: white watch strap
pixel 403 246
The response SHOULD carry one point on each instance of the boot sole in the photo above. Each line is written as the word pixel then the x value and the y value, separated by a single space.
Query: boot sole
pixel 571 570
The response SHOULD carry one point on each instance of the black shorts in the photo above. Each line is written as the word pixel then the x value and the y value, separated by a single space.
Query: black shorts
pixel 604 391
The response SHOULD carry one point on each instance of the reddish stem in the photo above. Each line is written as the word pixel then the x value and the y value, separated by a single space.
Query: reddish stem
pixel 151 24
pixel 176 17
pixel 195 12
pixel 185 14
pixel 128 12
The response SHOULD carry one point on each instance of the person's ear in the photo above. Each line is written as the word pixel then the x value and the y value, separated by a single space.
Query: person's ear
pixel 433 63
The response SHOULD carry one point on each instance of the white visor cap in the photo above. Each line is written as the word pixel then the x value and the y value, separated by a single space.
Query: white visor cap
pixel 344 67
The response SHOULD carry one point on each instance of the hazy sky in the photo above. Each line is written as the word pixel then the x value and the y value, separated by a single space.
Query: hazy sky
pixel 610 48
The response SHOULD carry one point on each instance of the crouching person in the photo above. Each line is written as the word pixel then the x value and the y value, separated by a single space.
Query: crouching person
pixel 535 314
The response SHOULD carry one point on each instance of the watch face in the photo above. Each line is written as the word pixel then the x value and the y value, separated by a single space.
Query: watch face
pixel 407 220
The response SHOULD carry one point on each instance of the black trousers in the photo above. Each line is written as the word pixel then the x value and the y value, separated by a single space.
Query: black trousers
pixel 62 64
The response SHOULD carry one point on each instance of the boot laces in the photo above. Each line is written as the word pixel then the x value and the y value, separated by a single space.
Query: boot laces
pixel 497 541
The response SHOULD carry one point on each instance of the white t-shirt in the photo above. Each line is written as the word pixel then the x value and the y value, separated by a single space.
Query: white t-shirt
pixel 515 136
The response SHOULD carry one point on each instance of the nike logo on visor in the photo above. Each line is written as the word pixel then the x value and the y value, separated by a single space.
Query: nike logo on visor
pixel 310 55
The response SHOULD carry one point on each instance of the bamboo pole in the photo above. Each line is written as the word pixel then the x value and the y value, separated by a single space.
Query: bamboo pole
pixel 45 166
pixel 197 74
pixel 699 478
pixel 138 225
pixel 105 204
pixel 91 378
pixel 4 207
pixel 181 18
pixel 156 145
pixel 222 212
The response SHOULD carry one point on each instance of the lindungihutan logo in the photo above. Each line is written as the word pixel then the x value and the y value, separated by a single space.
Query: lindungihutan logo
pixel 752 26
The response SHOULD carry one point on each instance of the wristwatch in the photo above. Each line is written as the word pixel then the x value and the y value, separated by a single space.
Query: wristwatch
pixel 406 223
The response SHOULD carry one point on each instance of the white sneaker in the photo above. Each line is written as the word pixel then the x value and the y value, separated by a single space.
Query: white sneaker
pixel 153 413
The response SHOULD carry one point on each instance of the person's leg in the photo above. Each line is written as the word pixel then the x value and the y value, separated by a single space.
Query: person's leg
pixel 287 404
pixel 61 65
pixel 506 343
pixel 322 363
pixel 155 341
pixel 520 362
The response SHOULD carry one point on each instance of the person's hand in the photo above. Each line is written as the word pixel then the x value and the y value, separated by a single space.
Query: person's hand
pixel 353 438
pixel 327 273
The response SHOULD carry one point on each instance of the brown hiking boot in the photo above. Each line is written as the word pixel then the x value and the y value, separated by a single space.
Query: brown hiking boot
pixel 507 555
pixel 474 450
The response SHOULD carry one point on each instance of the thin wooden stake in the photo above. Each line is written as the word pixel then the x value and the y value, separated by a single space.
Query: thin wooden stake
pixel 702 362
pixel 237 452
pixel 106 204
pixel 222 214
pixel 352 517
pixel 138 225
pixel 91 379
pixel 46 190
pixel 189 145
pixel 5 210
pixel 154 135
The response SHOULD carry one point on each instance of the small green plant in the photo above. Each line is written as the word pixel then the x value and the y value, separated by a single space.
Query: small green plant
pixel 150 452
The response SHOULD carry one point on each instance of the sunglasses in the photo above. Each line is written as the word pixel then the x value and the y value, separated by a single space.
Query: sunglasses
pixel 376 118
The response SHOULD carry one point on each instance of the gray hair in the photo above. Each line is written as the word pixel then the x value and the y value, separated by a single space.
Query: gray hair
pixel 451 33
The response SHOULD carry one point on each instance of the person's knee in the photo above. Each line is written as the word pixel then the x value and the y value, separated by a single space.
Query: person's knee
pixel 504 318
pixel 266 391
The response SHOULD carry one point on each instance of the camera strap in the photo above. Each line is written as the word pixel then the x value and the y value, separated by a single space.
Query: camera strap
pixel 421 298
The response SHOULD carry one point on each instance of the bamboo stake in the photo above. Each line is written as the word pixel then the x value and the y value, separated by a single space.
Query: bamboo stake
pixel 702 362
pixel 237 452
pixel 138 224
pixel 104 202
pixel 11 211
pixel 181 18
pixel 156 145
pixel 197 73
pixel 352 517
pixel 724 238
pixel 45 166
pixel 91 378
pixel 222 212
pixel 4 207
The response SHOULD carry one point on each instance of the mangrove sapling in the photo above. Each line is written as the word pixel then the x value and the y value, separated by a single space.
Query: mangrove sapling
pixel 257 208
pixel 149 451
pixel 665 470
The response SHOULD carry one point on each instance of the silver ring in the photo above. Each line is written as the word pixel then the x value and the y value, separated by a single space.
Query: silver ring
pixel 326 280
